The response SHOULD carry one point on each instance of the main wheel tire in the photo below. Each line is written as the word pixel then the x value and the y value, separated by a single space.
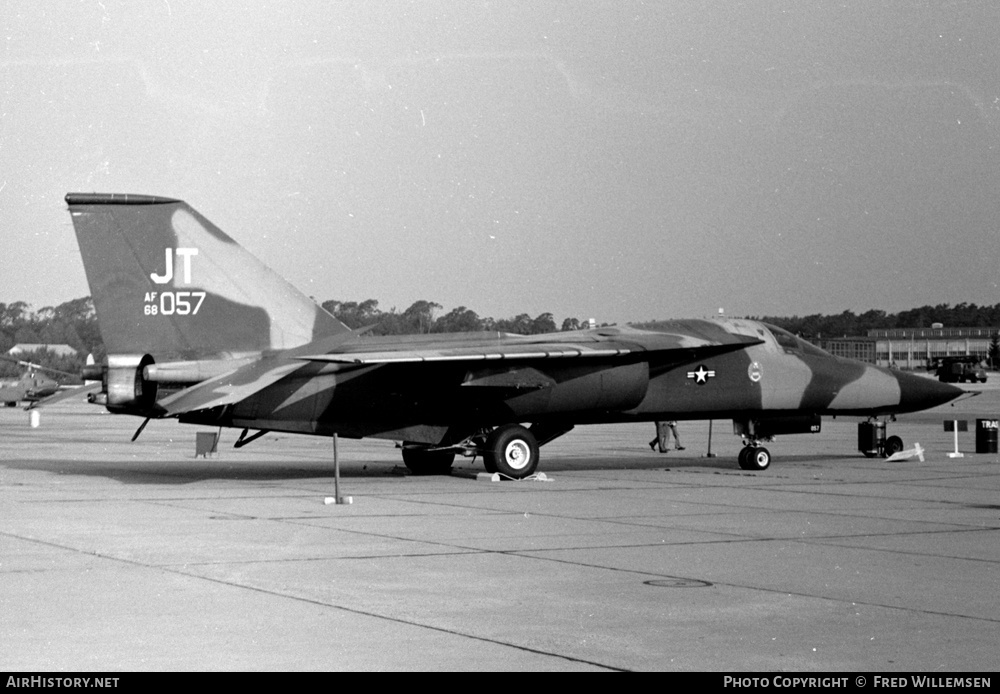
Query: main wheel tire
pixel 512 451
pixel 893 445
pixel 744 458
pixel 759 459
pixel 489 463
pixel 420 461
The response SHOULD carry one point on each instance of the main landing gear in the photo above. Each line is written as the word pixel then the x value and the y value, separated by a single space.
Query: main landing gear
pixel 510 450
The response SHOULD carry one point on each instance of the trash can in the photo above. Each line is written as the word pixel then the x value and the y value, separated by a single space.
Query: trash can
pixel 871 438
pixel 986 435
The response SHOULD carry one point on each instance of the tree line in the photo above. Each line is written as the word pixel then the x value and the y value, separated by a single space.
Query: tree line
pixel 75 323
pixel 848 324
pixel 72 323
pixel 422 317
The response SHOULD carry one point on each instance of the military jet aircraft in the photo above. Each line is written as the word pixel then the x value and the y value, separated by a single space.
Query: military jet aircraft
pixel 198 329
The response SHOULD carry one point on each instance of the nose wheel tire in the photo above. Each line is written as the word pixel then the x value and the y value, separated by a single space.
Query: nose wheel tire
pixel 512 451
pixel 893 445
pixel 754 458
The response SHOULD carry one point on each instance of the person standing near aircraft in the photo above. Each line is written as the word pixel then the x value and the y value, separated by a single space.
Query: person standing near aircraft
pixel 662 440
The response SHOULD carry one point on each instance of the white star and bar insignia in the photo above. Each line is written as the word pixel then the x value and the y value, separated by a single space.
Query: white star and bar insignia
pixel 702 375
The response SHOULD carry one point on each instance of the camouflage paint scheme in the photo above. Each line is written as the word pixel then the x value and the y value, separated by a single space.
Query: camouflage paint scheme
pixel 198 329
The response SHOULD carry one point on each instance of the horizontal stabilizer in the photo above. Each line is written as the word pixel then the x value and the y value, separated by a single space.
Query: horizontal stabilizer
pixel 68 393
pixel 229 388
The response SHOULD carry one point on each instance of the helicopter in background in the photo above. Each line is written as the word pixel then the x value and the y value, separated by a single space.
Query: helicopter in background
pixel 33 386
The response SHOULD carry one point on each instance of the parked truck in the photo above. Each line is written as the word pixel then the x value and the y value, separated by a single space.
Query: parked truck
pixel 959 369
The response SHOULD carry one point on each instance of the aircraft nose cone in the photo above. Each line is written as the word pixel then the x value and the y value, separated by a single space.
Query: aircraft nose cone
pixel 922 393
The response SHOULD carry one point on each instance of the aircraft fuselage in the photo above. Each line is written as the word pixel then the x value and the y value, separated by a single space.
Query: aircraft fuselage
pixel 442 403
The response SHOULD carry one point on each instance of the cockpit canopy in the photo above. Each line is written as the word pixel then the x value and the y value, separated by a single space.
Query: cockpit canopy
pixel 795 345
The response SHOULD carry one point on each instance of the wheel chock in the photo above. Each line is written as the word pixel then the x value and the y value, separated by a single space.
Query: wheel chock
pixel 915 452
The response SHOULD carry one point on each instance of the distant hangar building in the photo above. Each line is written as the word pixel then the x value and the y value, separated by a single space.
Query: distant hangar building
pixel 913 348
pixel 29 347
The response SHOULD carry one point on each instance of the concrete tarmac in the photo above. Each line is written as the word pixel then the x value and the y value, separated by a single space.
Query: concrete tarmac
pixel 119 556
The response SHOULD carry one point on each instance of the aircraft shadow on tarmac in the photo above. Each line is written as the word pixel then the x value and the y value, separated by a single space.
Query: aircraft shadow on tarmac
pixel 193 470
pixel 190 470
pixel 680 461
pixel 180 472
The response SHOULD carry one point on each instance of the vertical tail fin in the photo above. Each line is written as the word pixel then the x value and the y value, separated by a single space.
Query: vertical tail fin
pixel 167 282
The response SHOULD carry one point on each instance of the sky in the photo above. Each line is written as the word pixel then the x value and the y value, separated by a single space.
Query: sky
pixel 621 160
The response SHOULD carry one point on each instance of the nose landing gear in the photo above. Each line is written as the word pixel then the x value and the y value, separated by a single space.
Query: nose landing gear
pixel 872 440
